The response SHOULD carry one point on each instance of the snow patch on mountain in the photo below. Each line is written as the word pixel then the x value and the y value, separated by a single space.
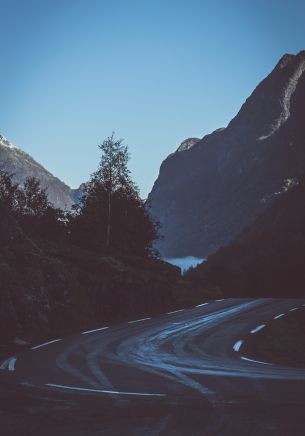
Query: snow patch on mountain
pixel 21 165
pixel 5 142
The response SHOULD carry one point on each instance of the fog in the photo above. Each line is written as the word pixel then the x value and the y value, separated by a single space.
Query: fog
pixel 184 263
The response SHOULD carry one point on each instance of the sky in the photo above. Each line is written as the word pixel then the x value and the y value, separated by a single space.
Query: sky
pixel 154 72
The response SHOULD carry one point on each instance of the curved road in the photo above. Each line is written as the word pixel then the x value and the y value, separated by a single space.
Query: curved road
pixel 192 365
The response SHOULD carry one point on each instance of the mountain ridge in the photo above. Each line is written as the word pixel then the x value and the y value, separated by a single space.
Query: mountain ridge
pixel 19 163
pixel 205 195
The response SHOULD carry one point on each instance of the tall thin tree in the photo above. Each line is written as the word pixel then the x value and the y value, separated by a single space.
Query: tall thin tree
pixel 113 174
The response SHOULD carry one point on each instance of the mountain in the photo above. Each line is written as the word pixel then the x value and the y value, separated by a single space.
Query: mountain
pixel 17 162
pixel 207 192
pixel 267 259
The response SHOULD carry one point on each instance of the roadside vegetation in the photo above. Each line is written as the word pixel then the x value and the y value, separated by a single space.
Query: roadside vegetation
pixel 62 271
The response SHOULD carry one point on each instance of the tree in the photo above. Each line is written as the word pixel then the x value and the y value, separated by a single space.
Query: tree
pixel 38 215
pixel 31 200
pixel 113 176
pixel 111 214
pixel 10 194
pixel 35 198
pixel 31 208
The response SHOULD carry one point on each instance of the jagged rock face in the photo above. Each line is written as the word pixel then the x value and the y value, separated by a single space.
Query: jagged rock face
pixel 205 195
pixel 21 165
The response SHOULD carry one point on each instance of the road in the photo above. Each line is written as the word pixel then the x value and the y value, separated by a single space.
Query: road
pixel 193 366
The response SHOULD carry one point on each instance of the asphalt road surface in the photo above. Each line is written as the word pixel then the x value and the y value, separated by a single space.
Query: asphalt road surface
pixel 188 372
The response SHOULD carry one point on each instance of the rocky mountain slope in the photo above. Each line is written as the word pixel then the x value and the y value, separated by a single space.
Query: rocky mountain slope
pixel 267 259
pixel 19 163
pixel 206 193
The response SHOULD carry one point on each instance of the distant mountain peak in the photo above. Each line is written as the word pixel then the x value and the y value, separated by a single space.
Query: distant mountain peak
pixel 285 60
pixel 289 88
pixel 21 165
pixel 288 58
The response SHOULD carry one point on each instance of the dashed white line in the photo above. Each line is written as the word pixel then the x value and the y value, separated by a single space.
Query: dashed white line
pixel 175 311
pixel 293 309
pixel 72 388
pixel 237 345
pixel 203 304
pixel 46 343
pixel 3 365
pixel 220 300
pixel 279 316
pixel 138 320
pixel 255 361
pixel 9 364
pixel 257 329
pixel 94 330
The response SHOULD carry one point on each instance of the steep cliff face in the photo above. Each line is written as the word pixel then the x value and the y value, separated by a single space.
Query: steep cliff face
pixel 19 163
pixel 207 193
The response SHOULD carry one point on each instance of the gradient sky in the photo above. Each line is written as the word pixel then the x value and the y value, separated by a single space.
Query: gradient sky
pixel 155 72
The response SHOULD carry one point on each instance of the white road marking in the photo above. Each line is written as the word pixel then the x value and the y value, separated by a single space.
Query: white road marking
pixel 293 309
pixel 3 365
pixel 220 300
pixel 9 364
pixel 95 330
pixel 203 304
pixel 279 316
pixel 46 343
pixel 303 304
pixel 237 345
pixel 255 361
pixel 175 311
pixel 257 329
pixel 72 388
pixel 138 320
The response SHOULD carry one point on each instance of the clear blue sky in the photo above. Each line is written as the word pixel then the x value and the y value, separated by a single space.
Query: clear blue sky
pixel 155 72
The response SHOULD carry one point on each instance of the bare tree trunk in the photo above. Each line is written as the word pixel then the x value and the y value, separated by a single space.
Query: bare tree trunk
pixel 109 204
pixel 108 221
